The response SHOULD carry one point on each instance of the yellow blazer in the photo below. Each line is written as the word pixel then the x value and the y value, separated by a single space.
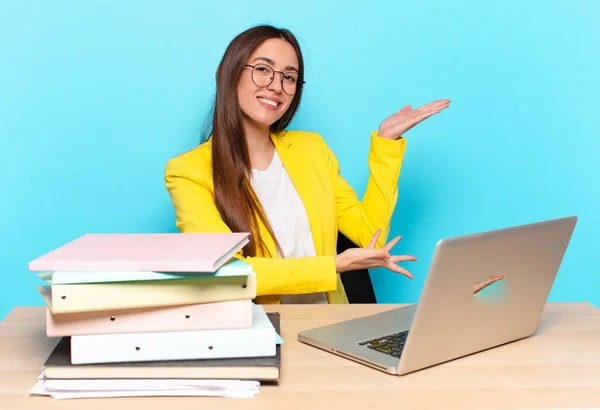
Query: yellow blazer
pixel 330 202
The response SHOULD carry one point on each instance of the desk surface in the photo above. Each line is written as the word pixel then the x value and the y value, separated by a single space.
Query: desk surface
pixel 559 367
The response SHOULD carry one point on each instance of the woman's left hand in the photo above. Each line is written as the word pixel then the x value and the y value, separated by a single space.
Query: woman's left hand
pixel 398 123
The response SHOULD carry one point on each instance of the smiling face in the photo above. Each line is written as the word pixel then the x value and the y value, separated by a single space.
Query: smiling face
pixel 262 104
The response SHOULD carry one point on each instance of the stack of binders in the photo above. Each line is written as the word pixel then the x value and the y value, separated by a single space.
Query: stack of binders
pixel 155 306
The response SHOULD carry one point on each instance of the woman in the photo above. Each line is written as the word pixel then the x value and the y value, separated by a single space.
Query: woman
pixel 284 187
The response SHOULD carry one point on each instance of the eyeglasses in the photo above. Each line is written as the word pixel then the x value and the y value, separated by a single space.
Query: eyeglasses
pixel 263 75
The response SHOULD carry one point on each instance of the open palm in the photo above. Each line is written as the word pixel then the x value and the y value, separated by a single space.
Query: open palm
pixel 398 123
pixel 372 257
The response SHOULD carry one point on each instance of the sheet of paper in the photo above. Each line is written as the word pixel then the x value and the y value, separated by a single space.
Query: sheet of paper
pixel 92 388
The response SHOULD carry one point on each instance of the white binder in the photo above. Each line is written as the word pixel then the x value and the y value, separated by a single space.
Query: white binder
pixel 257 341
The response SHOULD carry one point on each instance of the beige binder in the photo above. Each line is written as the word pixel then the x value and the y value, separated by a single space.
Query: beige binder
pixel 104 296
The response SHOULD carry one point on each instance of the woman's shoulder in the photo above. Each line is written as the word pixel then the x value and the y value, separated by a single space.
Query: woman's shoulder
pixel 194 163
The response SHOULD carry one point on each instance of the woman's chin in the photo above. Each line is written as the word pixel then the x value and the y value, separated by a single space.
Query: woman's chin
pixel 264 121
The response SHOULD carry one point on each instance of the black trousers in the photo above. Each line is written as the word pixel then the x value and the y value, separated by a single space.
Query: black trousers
pixel 357 283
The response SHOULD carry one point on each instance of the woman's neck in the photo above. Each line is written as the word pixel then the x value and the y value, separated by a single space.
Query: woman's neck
pixel 260 146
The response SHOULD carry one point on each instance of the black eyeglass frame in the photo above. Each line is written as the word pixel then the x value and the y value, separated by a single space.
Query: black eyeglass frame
pixel 272 78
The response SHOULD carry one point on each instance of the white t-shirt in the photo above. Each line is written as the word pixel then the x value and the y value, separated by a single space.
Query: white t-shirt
pixel 287 216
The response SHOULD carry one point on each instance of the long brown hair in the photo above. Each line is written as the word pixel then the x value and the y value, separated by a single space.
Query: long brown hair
pixel 234 196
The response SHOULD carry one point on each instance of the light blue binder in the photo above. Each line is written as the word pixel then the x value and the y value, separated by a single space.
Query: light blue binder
pixel 235 267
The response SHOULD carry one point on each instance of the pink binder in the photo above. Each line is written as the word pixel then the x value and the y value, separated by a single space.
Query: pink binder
pixel 161 252
pixel 235 314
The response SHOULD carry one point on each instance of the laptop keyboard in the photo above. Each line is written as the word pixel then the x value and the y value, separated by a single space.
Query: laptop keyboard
pixel 391 344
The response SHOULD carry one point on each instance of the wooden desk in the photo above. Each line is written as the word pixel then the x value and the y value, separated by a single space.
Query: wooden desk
pixel 557 368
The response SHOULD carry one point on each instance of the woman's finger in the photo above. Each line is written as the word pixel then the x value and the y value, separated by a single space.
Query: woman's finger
pixel 426 114
pixel 432 105
pixel 427 106
pixel 392 243
pixel 373 241
pixel 402 258
pixel 398 269
pixel 435 109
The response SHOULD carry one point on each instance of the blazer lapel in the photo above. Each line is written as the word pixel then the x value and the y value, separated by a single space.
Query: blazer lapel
pixel 295 164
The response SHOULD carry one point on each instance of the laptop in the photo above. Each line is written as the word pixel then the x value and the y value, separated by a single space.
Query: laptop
pixel 452 320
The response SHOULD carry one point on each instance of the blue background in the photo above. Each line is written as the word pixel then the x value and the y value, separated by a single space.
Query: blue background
pixel 95 96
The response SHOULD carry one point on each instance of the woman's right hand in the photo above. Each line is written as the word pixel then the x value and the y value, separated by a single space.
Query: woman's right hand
pixel 371 257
